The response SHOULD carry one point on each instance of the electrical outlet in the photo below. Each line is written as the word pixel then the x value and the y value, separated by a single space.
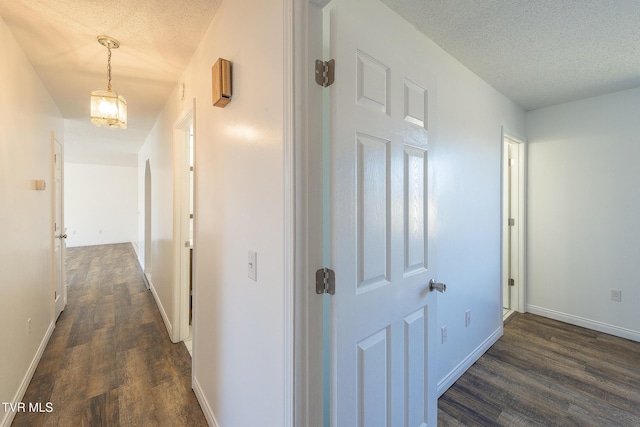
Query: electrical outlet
pixel 616 295
pixel 252 266
pixel 467 318
pixel 443 332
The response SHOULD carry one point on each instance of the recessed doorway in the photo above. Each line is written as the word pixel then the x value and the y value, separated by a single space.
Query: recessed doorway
pixel 513 242
pixel 184 211
pixel 147 224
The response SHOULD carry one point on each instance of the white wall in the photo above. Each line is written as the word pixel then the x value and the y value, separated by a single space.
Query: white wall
pixel 238 323
pixel 469 119
pixel 28 117
pixel 101 204
pixel 583 211
pixel 158 150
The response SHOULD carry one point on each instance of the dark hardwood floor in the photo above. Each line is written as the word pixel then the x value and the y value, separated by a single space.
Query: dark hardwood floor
pixel 548 373
pixel 109 361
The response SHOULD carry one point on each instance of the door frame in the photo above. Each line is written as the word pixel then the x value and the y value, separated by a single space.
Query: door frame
pixel 181 219
pixel 308 383
pixel 520 287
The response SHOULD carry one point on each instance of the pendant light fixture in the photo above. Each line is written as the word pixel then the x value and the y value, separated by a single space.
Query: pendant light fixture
pixel 107 107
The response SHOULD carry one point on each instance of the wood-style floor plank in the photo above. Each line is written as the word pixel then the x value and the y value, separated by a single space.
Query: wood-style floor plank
pixel 109 361
pixel 547 373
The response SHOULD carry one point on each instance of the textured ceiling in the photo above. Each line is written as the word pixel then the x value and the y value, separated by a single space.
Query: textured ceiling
pixel 537 52
pixel 157 39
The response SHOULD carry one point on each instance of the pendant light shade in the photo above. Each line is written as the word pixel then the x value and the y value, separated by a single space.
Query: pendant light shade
pixel 107 107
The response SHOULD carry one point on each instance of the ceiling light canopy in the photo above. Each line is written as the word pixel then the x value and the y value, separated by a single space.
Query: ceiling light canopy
pixel 107 107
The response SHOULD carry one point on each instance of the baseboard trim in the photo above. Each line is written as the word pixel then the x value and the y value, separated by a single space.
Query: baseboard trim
pixel 457 372
pixel 163 313
pixel 9 416
pixel 617 331
pixel 147 280
pixel 134 245
pixel 204 403
pixel 145 276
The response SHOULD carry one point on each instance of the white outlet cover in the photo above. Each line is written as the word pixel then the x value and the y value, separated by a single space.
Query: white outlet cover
pixel 616 295
pixel 252 265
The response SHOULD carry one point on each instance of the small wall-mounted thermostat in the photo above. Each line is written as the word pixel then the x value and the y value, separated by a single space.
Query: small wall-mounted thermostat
pixel 221 82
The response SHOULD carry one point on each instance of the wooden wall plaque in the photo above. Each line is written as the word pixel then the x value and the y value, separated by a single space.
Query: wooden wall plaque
pixel 221 82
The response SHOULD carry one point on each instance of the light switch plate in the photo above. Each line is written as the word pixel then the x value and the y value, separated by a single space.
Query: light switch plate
pixel 252 265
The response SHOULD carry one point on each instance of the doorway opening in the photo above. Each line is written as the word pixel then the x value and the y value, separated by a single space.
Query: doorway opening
pixel 513 241
pixel 147 224
pixel 184 225
pixel 188 317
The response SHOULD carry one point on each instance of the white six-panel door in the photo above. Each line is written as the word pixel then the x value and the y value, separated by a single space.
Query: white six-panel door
pixel 382 239
pixel 59 244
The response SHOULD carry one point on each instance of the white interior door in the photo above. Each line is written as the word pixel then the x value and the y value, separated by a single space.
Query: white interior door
pixel 382 236
pixel 515 225
pixel 59 232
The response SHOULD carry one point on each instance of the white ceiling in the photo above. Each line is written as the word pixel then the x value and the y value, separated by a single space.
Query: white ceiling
pixel 157 40
pixel 536 52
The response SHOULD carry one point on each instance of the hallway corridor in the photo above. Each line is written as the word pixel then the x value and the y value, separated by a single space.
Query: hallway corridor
pixel 109 361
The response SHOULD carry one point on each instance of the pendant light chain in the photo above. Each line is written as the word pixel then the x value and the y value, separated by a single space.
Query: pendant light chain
pixel 109 68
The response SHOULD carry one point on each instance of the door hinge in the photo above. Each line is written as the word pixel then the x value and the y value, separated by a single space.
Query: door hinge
pixel 512 222
pixel 325 281
pixel 325 72
pixel 512 282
